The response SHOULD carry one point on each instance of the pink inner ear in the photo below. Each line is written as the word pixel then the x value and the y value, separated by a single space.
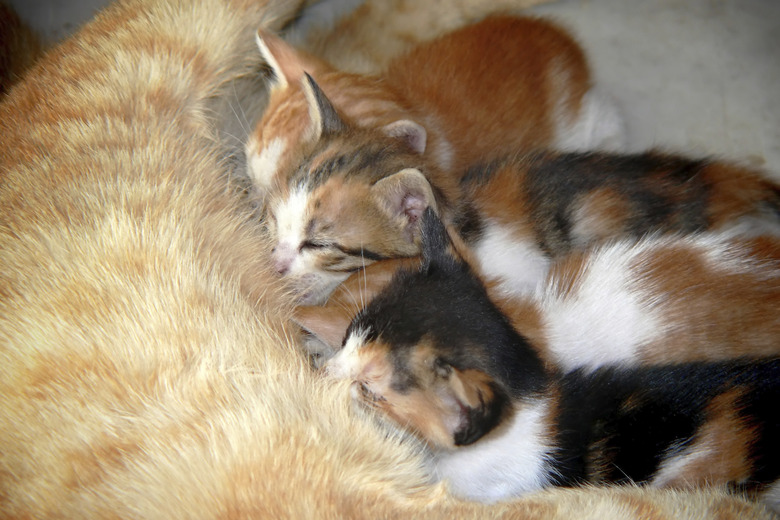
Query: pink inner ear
pixel 412 133
pixel 413 206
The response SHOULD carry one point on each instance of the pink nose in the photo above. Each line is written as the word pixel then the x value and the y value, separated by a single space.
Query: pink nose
pixel 283 256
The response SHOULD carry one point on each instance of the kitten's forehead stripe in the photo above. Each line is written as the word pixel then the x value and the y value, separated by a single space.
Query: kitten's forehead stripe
pixel 372 158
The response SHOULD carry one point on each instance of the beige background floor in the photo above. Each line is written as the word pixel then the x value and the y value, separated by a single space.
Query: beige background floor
pixel 701 76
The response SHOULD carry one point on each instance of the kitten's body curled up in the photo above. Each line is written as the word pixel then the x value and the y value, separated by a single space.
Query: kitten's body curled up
pixel 433 353
pixel 358 194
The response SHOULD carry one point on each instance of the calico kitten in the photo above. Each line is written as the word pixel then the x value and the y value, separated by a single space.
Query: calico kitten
pixel 358 195
pixel 533 91
pixel 433 354
pixel 519 213
pixel 659 299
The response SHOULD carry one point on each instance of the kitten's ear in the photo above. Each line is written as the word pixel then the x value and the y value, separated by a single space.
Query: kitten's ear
pixel 328 324
pixel 406 195
pixel 480 405
pixel 287 63
pixel 325 120
pixel 410 132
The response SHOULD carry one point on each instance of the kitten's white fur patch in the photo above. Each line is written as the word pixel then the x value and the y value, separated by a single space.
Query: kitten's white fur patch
pixel 518 265
pixel 291 215
pixel 605 320
pixel 264 165
pixel 313 284
pixel 501 466
pixel 771 497
pixel 598 126
pixel 346 363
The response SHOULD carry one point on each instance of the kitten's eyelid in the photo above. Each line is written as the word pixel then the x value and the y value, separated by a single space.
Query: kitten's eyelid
pixel 315 244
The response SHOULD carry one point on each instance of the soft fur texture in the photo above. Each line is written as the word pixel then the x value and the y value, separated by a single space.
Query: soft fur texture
pixel 371 33
pixel 146 369
pixel 433 353
pixel 498 86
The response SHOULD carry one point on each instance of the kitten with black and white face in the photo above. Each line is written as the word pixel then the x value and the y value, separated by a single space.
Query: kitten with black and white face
pixel 433 353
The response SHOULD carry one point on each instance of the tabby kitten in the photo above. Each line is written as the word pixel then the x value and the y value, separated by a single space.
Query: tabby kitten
pixel 433 354
pixel 534 91
pixel 358 195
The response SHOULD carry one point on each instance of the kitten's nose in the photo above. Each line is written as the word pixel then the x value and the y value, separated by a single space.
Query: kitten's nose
pixel 283 256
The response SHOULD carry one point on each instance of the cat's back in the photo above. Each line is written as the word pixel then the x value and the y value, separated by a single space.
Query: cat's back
pixel 503 76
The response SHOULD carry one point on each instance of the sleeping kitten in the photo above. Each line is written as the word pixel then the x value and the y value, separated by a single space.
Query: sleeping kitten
pixel 660 299
pixel 527 82
pixel 433 354
pixel 358 195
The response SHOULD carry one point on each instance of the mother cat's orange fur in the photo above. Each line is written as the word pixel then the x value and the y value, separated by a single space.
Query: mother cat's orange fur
pixel 146 372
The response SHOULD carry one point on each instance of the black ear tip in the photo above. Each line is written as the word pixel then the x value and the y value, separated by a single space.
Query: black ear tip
pixel 431 226
pixel 313 85
pixel 434 237
pixel 330 120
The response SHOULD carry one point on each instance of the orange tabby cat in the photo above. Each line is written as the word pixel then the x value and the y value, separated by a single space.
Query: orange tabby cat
pixel 503 84
pixel 146 370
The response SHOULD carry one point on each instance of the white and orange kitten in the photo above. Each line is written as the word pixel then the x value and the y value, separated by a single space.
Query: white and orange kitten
pixel 358 194
pixel 502 84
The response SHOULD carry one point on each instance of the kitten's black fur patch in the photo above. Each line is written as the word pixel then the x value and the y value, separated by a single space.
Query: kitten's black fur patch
pixel 611 424
pixel 555 181
pixel 445 303
pixel 330 121
pixel 664 192
pixel 638 416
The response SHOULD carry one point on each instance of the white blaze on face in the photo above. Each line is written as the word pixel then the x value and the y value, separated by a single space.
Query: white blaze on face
pixel 290 260
pixel 263 164
pixel 346 363
pixel 291 216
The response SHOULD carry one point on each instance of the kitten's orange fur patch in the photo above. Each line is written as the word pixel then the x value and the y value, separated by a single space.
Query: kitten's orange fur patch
pixel 695 294
pixel 598 216
pixel 720 451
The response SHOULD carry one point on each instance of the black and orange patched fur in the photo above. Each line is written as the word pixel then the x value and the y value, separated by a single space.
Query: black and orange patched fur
pixel 435 354
pixel 357 197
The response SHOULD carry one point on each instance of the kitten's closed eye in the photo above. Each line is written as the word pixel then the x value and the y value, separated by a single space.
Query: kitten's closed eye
pixel 315 244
